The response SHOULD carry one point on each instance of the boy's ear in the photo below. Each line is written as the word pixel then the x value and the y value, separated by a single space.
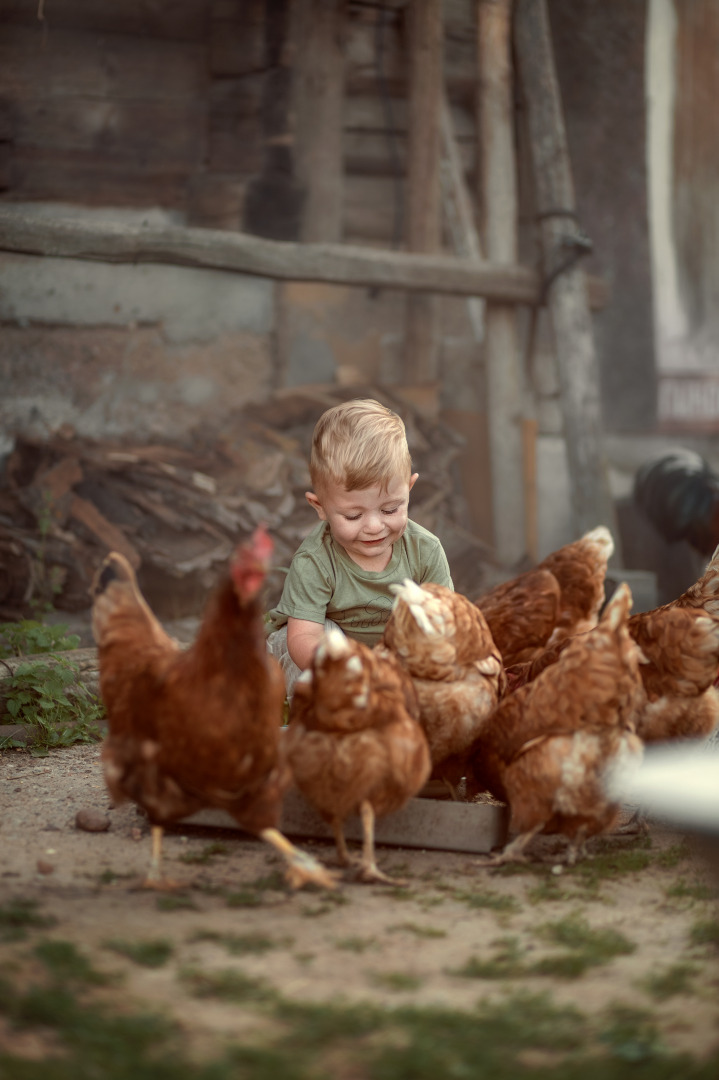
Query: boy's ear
pixel 413 477
pixel 316 505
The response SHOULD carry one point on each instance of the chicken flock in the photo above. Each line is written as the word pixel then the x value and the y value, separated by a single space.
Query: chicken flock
pixel 532 693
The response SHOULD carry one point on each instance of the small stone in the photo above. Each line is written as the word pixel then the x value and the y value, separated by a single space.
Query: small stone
pixel 44 867
pixel 91 820
pixel 557 869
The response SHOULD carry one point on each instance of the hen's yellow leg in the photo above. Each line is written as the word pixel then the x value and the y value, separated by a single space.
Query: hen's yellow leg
pixel 155 879
pixel 343 855
pixel 302 869
pixel 513 852
pixel 368 869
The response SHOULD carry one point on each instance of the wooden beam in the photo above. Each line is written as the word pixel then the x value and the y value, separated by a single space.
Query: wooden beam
pixel 318 97
pixel 590 500
pixel 423 220
pixel 498 199
pixel 37 233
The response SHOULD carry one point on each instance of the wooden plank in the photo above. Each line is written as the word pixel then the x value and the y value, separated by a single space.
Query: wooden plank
pixel 38 234
pixel 590 498
pixel 423 823
pixel 318 98
pixel 113 67
pixel 175 19
pixel 423 216
pixel 165 134
pixel 498 200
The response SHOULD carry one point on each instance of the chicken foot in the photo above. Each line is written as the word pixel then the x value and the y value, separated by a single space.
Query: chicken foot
pixel 513 852
pixel 302 868
pixel 367 869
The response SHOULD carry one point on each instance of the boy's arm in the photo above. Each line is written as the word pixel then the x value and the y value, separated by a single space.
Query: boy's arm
pixel 303 637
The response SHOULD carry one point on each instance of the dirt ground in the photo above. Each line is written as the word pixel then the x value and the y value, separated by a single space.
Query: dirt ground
pixel 458 934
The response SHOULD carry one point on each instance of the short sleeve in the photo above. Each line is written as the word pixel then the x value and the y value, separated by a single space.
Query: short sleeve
pixel 436 567
pixel 307 591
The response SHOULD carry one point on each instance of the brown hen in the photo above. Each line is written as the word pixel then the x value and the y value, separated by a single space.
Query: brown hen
pixel 546 747
pixel 522 613
pixel 444 643
pixel 199 727
pixel 354 741
pixel 681 646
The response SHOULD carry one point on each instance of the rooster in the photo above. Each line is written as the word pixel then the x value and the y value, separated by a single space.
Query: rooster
pixel 200 727
pixel 546 747
pixel 444 643
pixel 354 741
pixel 678 493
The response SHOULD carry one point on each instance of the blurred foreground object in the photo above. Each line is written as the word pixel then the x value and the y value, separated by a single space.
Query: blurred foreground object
pixel 680 786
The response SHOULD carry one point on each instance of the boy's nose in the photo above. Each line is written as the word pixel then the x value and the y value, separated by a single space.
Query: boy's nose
pixel 374 524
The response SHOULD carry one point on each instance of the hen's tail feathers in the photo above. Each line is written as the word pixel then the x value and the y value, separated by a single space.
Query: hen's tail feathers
pixel 117 602
pixel 679 494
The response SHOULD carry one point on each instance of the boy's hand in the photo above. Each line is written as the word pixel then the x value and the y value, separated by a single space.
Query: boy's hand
pixel 303 637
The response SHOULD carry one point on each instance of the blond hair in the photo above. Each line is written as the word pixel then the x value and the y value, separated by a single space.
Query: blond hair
pixel 359 444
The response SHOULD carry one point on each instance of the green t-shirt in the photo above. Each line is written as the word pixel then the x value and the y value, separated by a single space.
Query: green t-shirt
pixel 324 583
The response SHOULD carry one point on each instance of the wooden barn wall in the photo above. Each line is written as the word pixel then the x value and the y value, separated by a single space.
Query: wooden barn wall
pixel 599 49
pixel 186 105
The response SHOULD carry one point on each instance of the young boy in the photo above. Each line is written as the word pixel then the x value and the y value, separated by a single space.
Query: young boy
pixel 361 473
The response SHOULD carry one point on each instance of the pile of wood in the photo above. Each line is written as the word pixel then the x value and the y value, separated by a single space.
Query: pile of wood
pixel 177 512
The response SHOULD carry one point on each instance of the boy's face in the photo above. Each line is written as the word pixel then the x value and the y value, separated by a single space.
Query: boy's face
pixel 367 521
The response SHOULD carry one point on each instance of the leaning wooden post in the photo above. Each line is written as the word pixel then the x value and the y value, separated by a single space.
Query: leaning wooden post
pixel 423 220
pixel 590 499
pixel 498 200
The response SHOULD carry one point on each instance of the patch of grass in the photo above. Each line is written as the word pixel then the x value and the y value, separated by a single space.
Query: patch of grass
pixel 176 902
pixel 506 963
pixel 476 898
pixel 66 963
pixel 676 979
pixel 705 932
pixel 548 890
pixel 108 876
pixel 418 931
pixel 18 916
pixel 631 1034
pixel 228 984
pixel 396 980
pixel 610 864
pixel 239 944
pixel 153 953
pixel 209 852
pixel 354 944
pixel 244 898
pixel 672 856
pixel 587 947
pixel 681 890
pixel 329 902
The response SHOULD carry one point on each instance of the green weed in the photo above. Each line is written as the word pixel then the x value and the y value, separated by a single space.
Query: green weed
pixel 674 980
pixel 418 931
pixel 228 984
pixel 705 932
pixel 587 947
pixel 209 852
pixel 176 902
pixel 17 916
pixel 30 638
pixel 151 954
pixel 631 1035
pixel 680 890
pixel 238 944
pixel 506 963
pixel 50 699
pixel 396 980
pixel 66 963
pixel 354 944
